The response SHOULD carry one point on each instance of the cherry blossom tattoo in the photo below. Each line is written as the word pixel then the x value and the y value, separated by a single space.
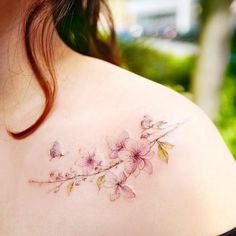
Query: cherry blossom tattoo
pixel 127 157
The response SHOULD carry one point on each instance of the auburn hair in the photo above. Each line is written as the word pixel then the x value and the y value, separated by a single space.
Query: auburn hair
pixel 78 24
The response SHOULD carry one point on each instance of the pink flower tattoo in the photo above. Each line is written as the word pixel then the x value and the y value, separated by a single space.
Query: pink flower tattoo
pixel 119 145
pixel 127 157
pixel 89 162
pixel 117 183
pixel 136 157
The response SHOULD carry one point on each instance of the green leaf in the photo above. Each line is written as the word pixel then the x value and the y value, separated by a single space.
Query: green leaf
pixel 70 187
pixel 166 145
pixel 162 153
pixel 100 181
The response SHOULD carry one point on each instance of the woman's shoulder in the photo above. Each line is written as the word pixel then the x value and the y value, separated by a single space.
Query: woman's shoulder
pixel 119 155
pixel 199 167
pixel 123 85
pixel 132 94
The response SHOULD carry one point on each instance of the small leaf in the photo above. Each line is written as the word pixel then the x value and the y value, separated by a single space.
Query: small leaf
pixel 70 187
pixel 162 153
pixel 167 145
pixel 100 181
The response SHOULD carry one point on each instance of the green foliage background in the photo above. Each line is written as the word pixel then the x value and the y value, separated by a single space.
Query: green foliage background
pixel 226 120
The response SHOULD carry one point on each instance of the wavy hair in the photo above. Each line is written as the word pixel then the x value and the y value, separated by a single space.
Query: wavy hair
pixel 77 23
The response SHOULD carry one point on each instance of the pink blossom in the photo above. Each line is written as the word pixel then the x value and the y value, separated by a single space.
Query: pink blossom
pixel 116 182
pixel 89 163
pixel 136 156
pixel 119 145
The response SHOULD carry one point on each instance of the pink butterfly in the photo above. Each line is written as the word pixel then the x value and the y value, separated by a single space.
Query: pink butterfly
pixel 55 151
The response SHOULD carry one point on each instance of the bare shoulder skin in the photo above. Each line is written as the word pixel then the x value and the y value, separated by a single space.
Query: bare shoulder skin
pixel 183 184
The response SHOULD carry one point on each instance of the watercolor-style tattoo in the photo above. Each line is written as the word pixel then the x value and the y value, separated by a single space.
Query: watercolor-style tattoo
pixel 55 151
pixel 127 157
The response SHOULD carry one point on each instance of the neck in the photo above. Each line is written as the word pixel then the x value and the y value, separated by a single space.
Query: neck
pixel 19 91
pixel 11 45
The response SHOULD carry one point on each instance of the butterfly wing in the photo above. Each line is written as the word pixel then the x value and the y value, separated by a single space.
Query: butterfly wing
pixel 55 150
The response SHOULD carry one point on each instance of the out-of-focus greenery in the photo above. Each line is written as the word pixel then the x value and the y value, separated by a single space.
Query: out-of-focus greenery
pixel 176 72
pixel 139 57
pixel 226 120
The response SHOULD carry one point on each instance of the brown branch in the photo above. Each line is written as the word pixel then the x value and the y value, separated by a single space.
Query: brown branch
pixel 152 143
pixel 76 176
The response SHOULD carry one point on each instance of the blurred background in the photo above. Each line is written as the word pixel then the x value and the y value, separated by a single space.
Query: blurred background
pixel 187 45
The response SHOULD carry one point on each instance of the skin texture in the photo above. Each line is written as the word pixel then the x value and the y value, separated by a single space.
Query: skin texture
pixel 194 194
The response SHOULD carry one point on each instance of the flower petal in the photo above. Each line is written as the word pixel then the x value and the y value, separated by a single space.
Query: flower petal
pixel 124 155
pixel 141 164
pixel 122 177
pixel 131 145
pixel 136 172
pixel 127 191
pixel 114 154
pixel 149 155
pixel 148 167
pixel 115 194
pixel 116 145
pixel 130 167
pixel 143 146
pixel 110 180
